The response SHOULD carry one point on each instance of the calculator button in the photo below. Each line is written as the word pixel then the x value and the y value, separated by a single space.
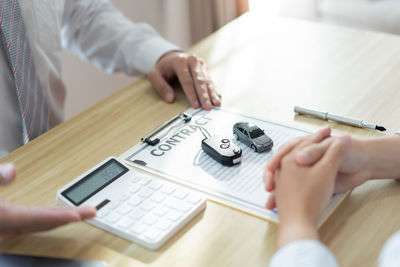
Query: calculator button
pixel 163 225
pixel 158 198
pixel 147 206
pixel 194 199
pixel 124 197
pixel 102 213
pixel 174 215
pixel 152 234
pixel 125 223
pixel 138 228
pixel 136 179
pixel 155 185
pixel 113 218
pixel 113 204
pixel 145 193
pixel 124 209
pixel 178 205
pixel 184 207
pixel 150 219
pixel 171 203
pixel 180 194
pixel 137 214
pixel 167 189
pixel 135 200
pixel 145 181
pixel 134 188
pixel 160 210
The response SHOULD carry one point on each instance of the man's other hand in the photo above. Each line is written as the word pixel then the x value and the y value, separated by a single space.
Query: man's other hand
pixel 191 71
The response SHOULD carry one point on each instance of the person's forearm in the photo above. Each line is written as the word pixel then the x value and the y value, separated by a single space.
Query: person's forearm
pixel 295 229
pixel 123 45
pixel 383 157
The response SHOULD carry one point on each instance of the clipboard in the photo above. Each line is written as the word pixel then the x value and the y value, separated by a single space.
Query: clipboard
pixel 178 157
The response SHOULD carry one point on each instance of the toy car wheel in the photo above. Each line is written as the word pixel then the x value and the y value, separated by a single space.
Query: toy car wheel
pixel 236 136
pixel 254 148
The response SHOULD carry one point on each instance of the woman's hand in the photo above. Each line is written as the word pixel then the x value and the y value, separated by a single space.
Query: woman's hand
pixel 302 192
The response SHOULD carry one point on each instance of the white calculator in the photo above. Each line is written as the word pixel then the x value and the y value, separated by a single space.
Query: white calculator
pixel 141 208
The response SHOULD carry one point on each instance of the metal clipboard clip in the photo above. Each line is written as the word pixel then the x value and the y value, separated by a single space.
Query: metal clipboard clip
pixel 153 138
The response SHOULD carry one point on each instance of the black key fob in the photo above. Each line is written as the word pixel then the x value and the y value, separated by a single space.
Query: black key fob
pixel 222 150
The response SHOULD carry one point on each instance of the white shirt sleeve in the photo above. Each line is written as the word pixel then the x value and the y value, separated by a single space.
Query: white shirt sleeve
pixel 99 33
pixel 307 252
pixel 390 254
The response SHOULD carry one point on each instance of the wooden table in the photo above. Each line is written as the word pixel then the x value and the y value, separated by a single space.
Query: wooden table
pixel 263 67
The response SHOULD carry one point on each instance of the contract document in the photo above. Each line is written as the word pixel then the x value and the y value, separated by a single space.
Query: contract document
pixel 178 157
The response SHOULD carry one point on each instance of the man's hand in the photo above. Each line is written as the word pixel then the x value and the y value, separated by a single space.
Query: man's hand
pixel 17 220
pixel 302 192
pixel 191 71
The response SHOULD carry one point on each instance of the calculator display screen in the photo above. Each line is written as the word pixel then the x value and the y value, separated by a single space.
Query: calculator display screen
pixel 95 181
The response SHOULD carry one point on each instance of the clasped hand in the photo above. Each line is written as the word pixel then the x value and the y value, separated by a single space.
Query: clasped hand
pixel 304 174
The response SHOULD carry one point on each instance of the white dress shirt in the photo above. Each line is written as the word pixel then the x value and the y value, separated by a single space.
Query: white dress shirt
pixel 94 30
pixel 312 253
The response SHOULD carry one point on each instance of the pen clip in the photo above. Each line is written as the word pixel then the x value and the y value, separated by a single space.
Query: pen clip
pixel 152 139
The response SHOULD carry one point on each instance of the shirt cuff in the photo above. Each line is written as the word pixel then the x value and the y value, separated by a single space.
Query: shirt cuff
pixel 390 255
pixel 305 252
pixel 150 52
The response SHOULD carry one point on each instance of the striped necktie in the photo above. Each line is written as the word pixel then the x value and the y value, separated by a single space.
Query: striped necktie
pixel 31 98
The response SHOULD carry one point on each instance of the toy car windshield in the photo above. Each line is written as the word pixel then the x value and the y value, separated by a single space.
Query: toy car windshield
pixel 257 132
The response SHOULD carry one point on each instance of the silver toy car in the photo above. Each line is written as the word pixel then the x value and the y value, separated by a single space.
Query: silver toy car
pixel 252 136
